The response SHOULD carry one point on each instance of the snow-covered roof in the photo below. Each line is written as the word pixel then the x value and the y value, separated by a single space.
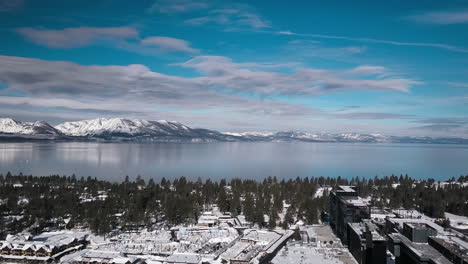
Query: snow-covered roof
pixel 186 258
pixel 104 256
pixel 47 241
pixel 308 254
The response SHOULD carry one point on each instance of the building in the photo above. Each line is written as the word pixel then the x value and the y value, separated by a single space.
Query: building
pixel 454 249
pixel 366 244
pixel 104 257
pixel 347 207
pixel 255 245
pixel 418 232
pixel 421 240
pixel 42 248
pixel 409 252
pixel 318 245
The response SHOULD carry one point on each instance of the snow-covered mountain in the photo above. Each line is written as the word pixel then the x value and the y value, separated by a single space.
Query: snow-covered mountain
pixel 121 129
pixel 39 129
pixel 138 129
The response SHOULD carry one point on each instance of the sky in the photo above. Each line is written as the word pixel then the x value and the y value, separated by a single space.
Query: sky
pixel 387 67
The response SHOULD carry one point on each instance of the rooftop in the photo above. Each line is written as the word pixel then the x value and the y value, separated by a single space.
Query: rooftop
pixel 355 201
pixel 425 221
pixel 360 228
pixel 321 233
pixel 344 188
pixel 308 254
pixel 325 248
pixel 104 256
pixel 50 239
pixel 423 250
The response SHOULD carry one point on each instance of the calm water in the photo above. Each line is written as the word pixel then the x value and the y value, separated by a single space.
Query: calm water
pixel 112 161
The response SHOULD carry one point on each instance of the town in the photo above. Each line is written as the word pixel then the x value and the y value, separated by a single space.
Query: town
pixel 58 219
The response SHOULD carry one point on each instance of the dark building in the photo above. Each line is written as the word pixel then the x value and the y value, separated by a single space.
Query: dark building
pixel 409 252
pixel 346 207
pixel 450 248
pixel 366 244
pixel 423 241
pixel 418 232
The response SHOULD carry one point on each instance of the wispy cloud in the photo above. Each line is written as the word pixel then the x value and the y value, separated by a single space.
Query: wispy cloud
pixel 177 6
pixel 441 18
pixel 459 84
pixel 169 44
pixel 76 37
pixel 444 124
pixel 127 38
pixel 312 48
pixel 223 73
pixel 65 80
pixel 232 19
pixel 368 69
pixel 372 116
pixel 215 99
pixel 112 90
pixel 286 32
pixel 380 41
pixel 356 49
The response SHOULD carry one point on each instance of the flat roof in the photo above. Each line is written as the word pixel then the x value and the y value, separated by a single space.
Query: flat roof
pixel 355 201
pixel 360 228
pixel 184 258
pixel 422 250
pixel 346 188
pixel 309 254
pixel 454 245
pixel 402 221
pixel 320 233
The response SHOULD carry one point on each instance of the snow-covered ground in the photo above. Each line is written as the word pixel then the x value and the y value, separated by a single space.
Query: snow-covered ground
pixel 457 221
pixel 321 191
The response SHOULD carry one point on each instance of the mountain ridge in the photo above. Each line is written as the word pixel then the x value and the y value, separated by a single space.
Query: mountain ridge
pixel 123 129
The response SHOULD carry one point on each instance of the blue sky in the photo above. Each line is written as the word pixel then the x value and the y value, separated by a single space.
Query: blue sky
pixel 394 67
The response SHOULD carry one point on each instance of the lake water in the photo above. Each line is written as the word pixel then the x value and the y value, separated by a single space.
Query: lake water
pixel 112 161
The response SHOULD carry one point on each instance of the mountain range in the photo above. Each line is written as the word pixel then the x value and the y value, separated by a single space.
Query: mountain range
pixel 121 129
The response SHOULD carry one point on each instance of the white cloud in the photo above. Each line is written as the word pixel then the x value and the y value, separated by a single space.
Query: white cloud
pixel 459 84
pixel 380 41
pixel 121 37
pixel 232 19
pixel 136 91
pixel 286 32
pixel 356 49
pixel 372 116
pixel 76 37
pixel 368 69
pixel 177 6
pixel 217 74
pixel 441 18
pixel 169 44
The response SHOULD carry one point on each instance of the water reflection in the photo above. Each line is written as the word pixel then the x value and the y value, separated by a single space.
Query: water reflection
pixel 113 161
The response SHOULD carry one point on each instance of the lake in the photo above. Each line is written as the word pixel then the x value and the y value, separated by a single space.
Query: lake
pixel 112 161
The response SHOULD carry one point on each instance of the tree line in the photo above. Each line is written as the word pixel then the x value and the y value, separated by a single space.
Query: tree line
pixel 36 203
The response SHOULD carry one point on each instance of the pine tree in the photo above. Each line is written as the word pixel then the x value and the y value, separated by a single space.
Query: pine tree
pixel 248 208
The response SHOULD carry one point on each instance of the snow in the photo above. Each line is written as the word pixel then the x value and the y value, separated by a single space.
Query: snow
pixel 320 191
pixel 250 134
pixel 315 247
pixel 118 128
pixel 133 127
pixel 190 240
pixel 307 254
pixel 10 126
pixel 457 221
